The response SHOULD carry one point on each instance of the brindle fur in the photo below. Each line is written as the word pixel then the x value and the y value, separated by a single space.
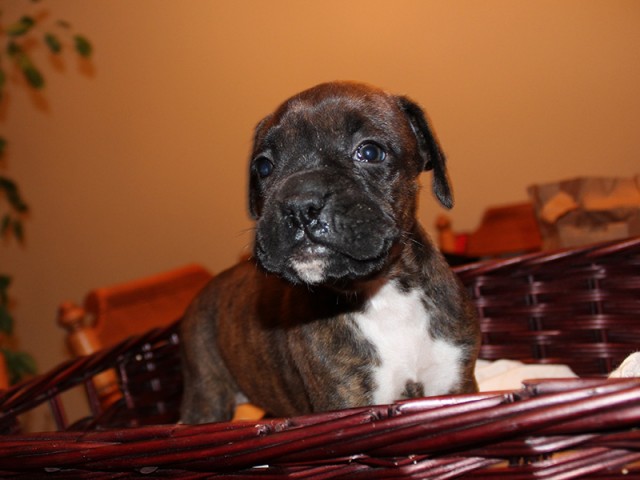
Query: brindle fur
pixel 258 331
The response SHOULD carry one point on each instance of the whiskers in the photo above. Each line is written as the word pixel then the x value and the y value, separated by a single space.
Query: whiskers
pixel 247 248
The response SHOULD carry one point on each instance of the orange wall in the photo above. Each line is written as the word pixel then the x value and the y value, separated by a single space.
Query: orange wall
pixel 137 164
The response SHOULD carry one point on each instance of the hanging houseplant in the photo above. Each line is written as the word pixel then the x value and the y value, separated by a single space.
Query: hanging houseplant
pixel 19 37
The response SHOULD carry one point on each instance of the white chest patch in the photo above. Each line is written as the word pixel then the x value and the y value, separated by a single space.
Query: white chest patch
pixel 397 324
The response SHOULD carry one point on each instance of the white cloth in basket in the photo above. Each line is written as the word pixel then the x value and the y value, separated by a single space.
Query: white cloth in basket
pixel 629 368
pixel 509 374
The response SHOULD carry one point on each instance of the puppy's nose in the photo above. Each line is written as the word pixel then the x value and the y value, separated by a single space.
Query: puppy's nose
pixel 303 210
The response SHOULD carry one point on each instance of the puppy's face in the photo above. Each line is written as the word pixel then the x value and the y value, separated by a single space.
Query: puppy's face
pixel 333 182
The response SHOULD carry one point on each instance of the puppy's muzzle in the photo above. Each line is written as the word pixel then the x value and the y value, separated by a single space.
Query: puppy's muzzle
pixel 325 225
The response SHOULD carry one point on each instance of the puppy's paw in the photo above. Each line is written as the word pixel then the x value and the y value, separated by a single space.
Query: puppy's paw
pixel 629 368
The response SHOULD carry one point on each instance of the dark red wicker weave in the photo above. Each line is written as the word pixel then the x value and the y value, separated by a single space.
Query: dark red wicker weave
pixel 579 307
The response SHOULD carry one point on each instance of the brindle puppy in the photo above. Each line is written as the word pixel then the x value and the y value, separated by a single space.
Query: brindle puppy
pixel 348 302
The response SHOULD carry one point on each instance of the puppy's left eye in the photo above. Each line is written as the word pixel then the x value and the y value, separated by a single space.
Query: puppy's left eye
pixel 370 152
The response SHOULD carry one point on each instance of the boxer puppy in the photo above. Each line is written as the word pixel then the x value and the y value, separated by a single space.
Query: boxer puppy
pixel 347 302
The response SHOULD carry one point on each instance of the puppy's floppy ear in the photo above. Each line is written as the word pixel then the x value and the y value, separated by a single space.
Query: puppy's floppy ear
pixel 255 200
pixel 430 150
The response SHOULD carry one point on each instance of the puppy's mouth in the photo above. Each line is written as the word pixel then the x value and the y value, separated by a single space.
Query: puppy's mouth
pixel 312 260
pixel 310 263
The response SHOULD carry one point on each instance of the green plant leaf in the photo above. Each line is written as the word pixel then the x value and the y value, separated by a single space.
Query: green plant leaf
pixel 83 46
pixel 5 281
pixel 13 195
pixel 18 230
pixel 6 321
pixel 33 76
pixel 53 43
pixel 19 364
pixel 21 27
pixel 24 63
pixel 27 365
pixel 12 227
pixel 13 49
pixel 11 224
pixel 5 225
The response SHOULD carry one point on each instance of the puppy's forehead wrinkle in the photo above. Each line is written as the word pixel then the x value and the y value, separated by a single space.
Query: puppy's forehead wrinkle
pixel 345 98
pixel 321 129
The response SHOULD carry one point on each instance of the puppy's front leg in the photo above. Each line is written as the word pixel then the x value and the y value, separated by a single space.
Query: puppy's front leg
pixel 209 390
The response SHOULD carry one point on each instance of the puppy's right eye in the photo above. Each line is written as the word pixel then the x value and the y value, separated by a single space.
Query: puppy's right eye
pixel 263 166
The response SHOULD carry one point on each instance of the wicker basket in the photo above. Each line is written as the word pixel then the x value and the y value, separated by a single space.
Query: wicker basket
pixel 579 307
